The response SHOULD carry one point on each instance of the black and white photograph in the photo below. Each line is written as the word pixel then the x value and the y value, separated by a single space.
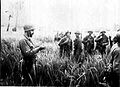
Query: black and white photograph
pixel 60 43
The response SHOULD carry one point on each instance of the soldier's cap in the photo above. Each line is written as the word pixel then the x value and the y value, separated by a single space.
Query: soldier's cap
pixel 67 32
pixel 28 28
pixel 103 32
pixel 77 32
pixel 90 32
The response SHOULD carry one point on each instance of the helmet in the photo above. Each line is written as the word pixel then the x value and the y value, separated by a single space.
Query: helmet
pixel 90 32
pixel 77 32
pixel 103 32
pixel 28 28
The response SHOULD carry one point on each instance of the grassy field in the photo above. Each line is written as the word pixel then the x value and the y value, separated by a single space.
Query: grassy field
pixel 50 69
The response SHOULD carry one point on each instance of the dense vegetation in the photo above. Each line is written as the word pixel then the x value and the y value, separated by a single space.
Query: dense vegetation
pixel 50 69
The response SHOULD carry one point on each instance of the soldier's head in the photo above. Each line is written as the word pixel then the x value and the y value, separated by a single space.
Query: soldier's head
pixel 29 30
pixel 117 38
pixel 90 32
pixel 77 34
pixel 102 32
pixel 68 33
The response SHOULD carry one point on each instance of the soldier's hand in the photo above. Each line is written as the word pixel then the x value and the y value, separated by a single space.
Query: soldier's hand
pixel 41 48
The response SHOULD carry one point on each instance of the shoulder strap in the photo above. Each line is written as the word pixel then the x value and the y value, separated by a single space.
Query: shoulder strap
pixel 29 44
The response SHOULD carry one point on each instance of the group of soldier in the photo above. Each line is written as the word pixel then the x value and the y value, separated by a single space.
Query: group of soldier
pixel 103 44
pixel 87 45
pixel 68 48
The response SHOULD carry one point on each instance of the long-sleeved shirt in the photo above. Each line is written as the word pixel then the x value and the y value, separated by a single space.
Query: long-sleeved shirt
pixel 26 47
pixel 115 58
pixel 66 44
pixel 88 42
pixel 77 46
pixel 102 40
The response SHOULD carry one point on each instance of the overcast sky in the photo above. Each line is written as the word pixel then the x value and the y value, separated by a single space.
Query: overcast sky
pixel 75 14
pixel 72 14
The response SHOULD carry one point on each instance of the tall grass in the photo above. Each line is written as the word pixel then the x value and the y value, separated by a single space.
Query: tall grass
pixel 50 69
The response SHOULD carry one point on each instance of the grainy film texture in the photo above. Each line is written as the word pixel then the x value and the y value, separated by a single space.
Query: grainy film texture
pixel 73 43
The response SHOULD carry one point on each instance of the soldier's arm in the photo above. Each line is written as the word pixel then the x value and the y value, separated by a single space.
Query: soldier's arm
pixel 106 41
pixel 98 38
pixel 26 49
pixel 40 47
pixel 65 40
pixel 84 40
pixel 116 59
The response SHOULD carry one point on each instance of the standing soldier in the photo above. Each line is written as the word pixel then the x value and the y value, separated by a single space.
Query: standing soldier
pixel 28 51
pixel 102 42
pixel 88 42
pixel 77 47
pixel 115 62
pixel 66 45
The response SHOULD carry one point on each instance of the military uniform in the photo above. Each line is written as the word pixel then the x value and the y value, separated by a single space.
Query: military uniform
pixel 26 47
pixel 115 54
pixel 115 61
pixel 77 47
pixel 65 47
pixel 28 51
pixel 88 42
pixel 101 43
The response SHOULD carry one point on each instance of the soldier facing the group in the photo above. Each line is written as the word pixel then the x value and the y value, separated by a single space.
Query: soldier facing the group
pixel 28 51
pixel 88 42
